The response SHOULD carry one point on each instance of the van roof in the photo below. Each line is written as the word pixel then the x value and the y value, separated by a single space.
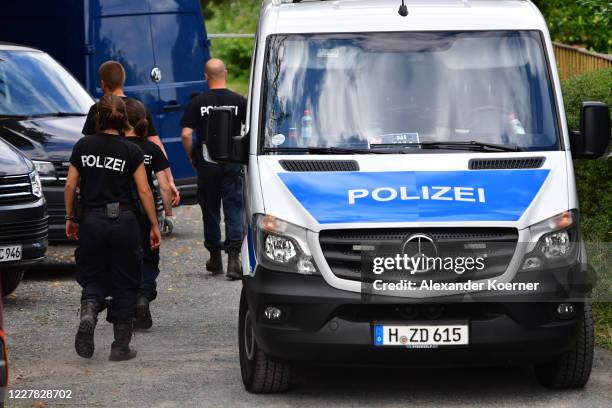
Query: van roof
pixel 283 16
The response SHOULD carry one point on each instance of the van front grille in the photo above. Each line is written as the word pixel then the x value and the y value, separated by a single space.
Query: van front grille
pixel 23 231
pixel 319 165
pixel 15 190
pixel 61 170
pixel 507 163
pixel 348 252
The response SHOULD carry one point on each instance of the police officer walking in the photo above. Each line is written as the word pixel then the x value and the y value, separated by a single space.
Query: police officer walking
pixel 155 164
pixel 217 183
pixel 105 166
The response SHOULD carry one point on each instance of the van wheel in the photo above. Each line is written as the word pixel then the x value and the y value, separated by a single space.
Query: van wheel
pixel 573 368
pixel 10 280
pixel 260 373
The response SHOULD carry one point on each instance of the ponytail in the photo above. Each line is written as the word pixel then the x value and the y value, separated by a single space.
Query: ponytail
pixel 112 114
pixel 137 117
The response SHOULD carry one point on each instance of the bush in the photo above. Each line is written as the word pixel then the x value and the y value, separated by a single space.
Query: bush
pixel 593 177
pixel 587 23
pixel 237 17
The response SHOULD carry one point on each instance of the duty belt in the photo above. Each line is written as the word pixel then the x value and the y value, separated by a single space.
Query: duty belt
pixel 102 210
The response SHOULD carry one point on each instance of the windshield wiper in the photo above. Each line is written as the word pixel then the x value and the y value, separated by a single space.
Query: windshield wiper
pixel 11 116
pixel 321 150
pixel 471 145
pixel 42 115
pixel 63 114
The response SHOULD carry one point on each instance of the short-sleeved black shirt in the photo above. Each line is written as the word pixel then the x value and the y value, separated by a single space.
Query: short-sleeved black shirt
pixel 106 164
pixel 196 114
pixel 90 128
pixel 154 159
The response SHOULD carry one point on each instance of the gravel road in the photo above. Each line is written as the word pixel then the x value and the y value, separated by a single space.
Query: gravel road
pixel 190 357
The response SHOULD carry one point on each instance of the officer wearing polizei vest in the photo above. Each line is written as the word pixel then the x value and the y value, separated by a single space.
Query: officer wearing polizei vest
pixel 112 81
pixel 111 176
pixel 155 164
pixel 217 183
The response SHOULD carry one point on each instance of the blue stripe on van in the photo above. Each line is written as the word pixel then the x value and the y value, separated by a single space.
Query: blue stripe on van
pixel 484 195
pixel 251 247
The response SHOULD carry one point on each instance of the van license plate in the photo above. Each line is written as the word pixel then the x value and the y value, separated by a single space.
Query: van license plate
pixel 421 335
pixel 10 253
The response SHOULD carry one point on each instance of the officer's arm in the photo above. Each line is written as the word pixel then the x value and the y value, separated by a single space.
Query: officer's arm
pixel 176 197
pixel 157 140
pixel 72 182
pixel 187 139
pixel 166 191
pixel 145 194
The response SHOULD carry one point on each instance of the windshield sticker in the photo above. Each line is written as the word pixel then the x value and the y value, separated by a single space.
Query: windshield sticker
pixel 278 139
pixel 328 53
pixel 487 195
pixel 395 139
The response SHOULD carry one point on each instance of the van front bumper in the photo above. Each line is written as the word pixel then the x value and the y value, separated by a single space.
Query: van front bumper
pixel 24 224
pixel 325 325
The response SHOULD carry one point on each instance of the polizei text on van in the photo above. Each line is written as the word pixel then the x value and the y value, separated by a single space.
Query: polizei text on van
pixel 439 193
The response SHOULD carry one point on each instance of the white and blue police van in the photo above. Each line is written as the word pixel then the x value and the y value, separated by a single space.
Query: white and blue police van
pixel 409 191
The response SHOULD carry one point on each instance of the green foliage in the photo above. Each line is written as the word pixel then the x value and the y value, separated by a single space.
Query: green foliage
pixel 586 23
pixel 602 316
pixel 593 177
pixel 236 17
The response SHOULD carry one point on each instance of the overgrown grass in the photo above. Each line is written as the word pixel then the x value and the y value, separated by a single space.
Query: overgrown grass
pixel 602 315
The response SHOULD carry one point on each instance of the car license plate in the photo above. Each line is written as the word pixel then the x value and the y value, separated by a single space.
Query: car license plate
pixel 10 253
pixel 421 335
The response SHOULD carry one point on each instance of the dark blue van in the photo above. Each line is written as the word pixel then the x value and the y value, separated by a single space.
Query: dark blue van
pixel 161 43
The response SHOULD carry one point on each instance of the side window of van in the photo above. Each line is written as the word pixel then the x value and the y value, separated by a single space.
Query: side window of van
pixel 179 46
pixel 126 39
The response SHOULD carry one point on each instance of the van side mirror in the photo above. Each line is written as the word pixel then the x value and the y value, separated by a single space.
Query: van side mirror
pixel 224 143
pixel 594 136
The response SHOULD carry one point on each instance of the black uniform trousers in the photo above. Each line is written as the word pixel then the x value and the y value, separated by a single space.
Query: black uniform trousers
pixel 109 263
pixel 150 261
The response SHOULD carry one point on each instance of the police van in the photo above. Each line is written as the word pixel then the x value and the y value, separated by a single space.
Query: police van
pixel 409 191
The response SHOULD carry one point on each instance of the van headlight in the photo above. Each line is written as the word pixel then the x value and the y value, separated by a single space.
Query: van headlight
pixel 46 170
pixel 282 246
pixel 36 185
pixel 557 241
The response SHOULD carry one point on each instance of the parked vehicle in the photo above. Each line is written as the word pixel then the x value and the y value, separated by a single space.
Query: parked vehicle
pixel 435 134
pixel 42 111
pixel 162 45
pixel 4 365
pixel 23 218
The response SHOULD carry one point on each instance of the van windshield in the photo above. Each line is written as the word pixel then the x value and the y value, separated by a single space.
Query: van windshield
pixel 405 91
pixel 34 84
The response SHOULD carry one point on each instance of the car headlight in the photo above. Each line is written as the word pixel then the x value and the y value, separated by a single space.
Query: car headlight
pixel 282 246
pixel 557 239
pixel 45 169
pixel 36 185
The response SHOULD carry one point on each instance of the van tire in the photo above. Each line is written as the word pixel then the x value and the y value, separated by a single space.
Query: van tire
pixel 260 374
pixel 571 369
pixel 10 280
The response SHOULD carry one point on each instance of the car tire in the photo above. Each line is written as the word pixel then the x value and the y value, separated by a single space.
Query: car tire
pixel 572 369
pixel 261 374
pixel 10 280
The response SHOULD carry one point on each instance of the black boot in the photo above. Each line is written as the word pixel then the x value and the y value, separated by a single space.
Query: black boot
pixel 120 349
pixel 215 263
pixel 143 314
pixel 234 269
pixel 84 340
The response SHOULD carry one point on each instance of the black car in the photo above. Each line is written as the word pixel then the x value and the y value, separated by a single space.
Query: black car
pixel 23 217
pixel 42 112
